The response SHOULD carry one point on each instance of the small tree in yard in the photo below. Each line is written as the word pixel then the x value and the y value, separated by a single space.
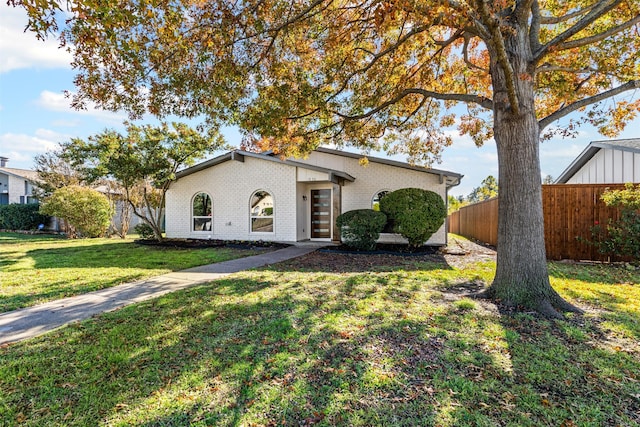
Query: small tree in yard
pixel 361 228
pixel 121 207
pixel 415 213
pixel 621 237
pixel 143 162
pixel 54 172
pixel 87 212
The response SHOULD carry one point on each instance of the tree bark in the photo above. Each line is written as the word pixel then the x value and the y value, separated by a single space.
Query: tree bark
pixel 522 278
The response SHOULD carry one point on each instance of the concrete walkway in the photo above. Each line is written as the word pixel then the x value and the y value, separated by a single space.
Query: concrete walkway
pixel 30 322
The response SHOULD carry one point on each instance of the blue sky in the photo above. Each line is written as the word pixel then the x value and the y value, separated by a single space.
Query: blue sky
pixel 35 115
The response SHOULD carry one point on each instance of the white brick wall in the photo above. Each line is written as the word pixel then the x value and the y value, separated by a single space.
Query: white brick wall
pixel 374 177
pixel 231 185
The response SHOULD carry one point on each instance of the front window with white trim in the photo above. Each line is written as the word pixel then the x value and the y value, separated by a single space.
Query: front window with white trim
pixel 262 212
pixel 202 212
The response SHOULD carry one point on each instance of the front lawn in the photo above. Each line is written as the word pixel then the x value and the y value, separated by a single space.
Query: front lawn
pixel 309 343
pixel 39 268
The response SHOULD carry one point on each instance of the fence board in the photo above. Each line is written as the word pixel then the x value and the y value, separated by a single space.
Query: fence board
pixel 570 210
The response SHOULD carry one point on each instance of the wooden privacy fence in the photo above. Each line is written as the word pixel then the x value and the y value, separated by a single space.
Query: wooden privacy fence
pixel 570 210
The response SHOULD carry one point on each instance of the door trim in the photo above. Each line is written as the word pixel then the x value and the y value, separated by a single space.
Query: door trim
pixel 329 211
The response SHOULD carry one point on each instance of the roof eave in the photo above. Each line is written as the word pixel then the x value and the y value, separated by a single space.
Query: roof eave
pixel 390 163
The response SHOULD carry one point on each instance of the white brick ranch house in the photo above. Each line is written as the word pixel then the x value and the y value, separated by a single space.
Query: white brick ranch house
pixel 258 196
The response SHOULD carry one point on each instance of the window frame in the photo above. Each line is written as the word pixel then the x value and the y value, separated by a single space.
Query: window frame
pixel 375 195
pixel 272 216
pixel 194 217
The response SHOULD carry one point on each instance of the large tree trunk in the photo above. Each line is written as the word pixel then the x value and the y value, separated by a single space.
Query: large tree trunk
pixel 521 277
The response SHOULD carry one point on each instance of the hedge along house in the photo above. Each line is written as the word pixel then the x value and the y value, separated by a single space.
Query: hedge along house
pixel 258 196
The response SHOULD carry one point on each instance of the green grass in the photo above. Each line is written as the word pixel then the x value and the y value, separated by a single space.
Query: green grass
pixel 293 345
pixel 36 269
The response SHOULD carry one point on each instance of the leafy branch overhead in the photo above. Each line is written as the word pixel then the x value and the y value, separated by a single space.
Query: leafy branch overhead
pixel 369 74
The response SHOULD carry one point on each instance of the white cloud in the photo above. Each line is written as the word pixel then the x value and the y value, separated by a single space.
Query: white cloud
pixel 460 142
pixel 21 148
pixel 60 103
pixel 66 123
pixel 20 49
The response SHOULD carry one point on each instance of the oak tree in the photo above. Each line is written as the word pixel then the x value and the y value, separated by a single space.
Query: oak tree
pixel 375 74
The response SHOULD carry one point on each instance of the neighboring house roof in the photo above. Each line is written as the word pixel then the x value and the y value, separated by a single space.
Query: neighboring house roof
pixel 29 175
pixel 451 178
pixel 632 145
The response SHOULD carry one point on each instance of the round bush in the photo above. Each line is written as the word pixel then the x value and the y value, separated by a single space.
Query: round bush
pixel 415 213
pixel 86 210
pixel 361 228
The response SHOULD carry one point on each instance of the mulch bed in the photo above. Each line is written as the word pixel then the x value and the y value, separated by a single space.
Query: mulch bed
pixel 211 243
pixel 384 249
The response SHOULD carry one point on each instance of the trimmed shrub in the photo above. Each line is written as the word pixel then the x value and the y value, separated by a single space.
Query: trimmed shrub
pixel 145 231
pixel 361 228
pixel 21 217
pixel 87 211
pixel 415 213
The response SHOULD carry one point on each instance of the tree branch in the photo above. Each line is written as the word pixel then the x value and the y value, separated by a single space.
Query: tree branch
pixel 534 28
pixel 465 55
pixel 598 37
pixel 461 97
pixel 558 114
pixel 596 12
pixel 548 68
pixel 551 20
pixel 501 52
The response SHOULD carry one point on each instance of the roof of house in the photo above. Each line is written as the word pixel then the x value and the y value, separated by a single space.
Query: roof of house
pixel 27 174
pixel 455 177
pixel 239 155
pixel 632 145
pixel 451 178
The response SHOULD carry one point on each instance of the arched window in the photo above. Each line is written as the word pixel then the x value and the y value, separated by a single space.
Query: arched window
pixel 261 212
pixel 375 201
pixel 202 212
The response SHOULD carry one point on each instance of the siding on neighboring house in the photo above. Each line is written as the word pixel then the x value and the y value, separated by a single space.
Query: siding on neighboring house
pixel 16 186
pixel 605 162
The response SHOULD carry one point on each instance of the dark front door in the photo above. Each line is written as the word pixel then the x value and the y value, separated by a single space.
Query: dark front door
pixel 321 214
pixel 4 199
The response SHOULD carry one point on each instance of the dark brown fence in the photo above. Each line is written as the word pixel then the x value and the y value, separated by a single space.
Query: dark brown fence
pixel 478 221
pixel 570 210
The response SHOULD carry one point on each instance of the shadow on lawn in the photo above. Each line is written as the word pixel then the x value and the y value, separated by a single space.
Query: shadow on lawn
pixel 265 350
pixel 256 349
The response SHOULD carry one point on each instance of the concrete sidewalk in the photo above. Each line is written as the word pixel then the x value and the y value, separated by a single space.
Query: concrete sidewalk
pixel 29 322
